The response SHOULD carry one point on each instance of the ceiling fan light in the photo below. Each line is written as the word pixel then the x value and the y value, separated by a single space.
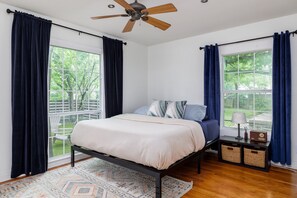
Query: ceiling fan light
pixel 110 6
pixel 204 1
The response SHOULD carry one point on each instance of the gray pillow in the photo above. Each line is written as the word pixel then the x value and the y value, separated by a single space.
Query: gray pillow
pixel 142 110
pixel 195 112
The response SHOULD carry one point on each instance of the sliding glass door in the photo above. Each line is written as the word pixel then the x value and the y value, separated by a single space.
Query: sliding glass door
pixel 74 94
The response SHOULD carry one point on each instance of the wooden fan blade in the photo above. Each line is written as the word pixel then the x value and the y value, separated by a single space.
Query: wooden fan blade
pixel 129 26
pixel 156 22
pixel 124 4
pixel 109 16
pixel 160 9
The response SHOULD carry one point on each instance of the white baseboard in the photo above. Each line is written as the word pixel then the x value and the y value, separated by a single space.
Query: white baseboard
pixel 279 165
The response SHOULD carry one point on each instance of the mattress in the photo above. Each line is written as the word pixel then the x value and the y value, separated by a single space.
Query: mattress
pixel 211 129
pixel 151 141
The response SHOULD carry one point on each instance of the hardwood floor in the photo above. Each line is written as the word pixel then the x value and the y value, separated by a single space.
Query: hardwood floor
pixel 223 180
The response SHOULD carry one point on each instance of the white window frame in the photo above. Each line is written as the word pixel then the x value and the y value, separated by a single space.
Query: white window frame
pixel 246 47
pixel 254 91
pixel 58 160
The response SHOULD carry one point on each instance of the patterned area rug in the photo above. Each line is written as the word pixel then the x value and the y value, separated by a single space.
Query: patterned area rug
pixel 93 178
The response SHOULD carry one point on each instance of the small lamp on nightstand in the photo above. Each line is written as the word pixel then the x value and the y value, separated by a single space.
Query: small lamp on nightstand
pixel 238 118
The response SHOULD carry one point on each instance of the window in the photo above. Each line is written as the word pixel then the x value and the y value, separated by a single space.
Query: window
pixel 247 88
pixel 74 94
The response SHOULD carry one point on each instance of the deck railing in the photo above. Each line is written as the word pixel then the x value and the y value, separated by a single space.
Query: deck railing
pixel 60 106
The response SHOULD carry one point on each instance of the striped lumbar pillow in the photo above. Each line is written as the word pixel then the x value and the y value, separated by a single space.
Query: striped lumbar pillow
pixel 176 109
pixel 157 108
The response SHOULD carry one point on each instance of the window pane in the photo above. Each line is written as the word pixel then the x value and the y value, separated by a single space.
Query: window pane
pixel 83 101
pixel 246 62
pixel 83 117
pixel 231 63
pixel 231 81
pixel 263 61
pixel 70 121
pixel 74 94
pixel 69 80
pixel 69 59
pixel 56 80
pixel 56 58
pixel 250 83
pixel 246 101
pixel 55 103
pixel 248 113
pixel 263 70
pixel 263 102
pixel 95 116
pixel 261 121
pixel 69 101
pixel 94 100
pixel 246 81
pixel 263 81
pixel 230 106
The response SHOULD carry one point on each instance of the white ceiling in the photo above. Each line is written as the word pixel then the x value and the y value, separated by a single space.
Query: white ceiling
pixel 192 18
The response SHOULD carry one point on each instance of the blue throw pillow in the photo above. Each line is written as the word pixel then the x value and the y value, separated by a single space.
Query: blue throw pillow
pixel 142 110
pixel 195 112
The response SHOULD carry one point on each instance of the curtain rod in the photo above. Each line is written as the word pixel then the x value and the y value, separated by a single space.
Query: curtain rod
pixel 69 28
pixel 253 39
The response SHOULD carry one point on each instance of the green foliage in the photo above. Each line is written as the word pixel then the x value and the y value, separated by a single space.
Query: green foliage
pixel 249 71
pixel 74 76
pixel 59 148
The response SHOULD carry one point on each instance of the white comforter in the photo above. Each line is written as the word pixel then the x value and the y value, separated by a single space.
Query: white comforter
pixel 151 141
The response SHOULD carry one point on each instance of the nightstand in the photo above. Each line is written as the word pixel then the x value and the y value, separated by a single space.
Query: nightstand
pixel 244 153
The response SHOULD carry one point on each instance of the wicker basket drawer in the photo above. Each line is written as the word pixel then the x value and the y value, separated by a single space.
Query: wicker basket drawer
pixel 231 153
pixel 254 157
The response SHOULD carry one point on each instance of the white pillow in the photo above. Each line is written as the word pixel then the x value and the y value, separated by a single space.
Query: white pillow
pixel 157 108
pixel 176 109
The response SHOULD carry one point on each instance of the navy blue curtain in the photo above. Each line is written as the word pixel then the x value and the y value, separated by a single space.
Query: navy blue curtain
pixel 281 93
pixel 30 50
pixel 212 93
pixel 113 76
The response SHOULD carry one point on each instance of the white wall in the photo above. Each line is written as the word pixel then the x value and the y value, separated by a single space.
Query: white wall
pixel 135 77
pixel 175 69
pixel 135 70
pixel 5 87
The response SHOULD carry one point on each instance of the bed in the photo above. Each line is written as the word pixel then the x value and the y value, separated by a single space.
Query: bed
pixel 151 145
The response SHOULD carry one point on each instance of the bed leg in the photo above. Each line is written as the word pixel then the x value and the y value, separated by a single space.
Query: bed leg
pixel 198 164
pixel 72 157
pixel 158 186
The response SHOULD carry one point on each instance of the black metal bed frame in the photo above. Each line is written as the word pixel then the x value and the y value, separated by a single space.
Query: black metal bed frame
pixel 157 174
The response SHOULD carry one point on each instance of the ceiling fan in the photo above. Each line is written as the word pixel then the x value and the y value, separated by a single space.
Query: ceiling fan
pixel 138 11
